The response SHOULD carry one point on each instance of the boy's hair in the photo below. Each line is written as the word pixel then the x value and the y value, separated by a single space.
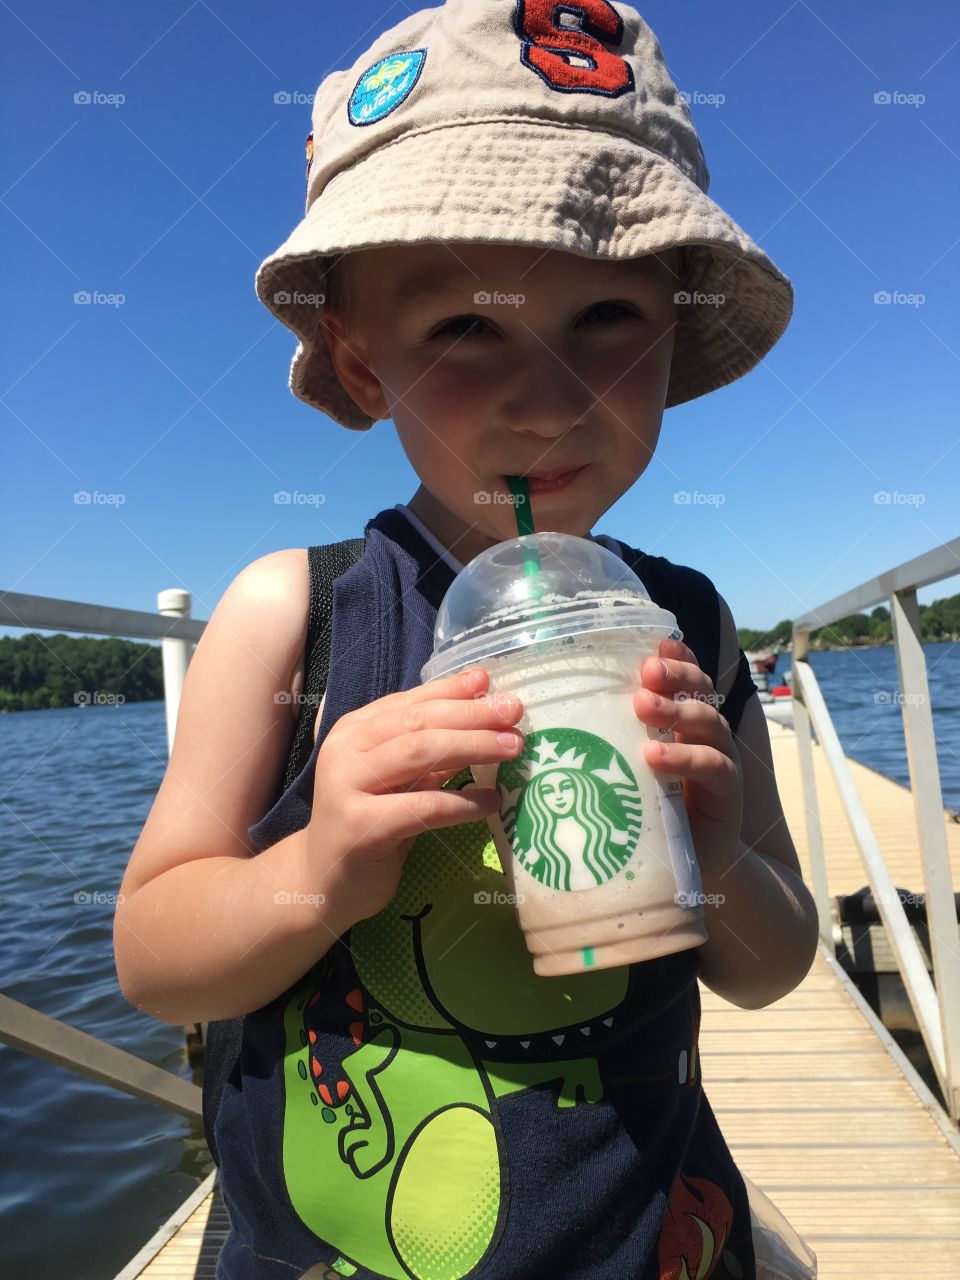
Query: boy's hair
pixel 483 121
pixel 339 292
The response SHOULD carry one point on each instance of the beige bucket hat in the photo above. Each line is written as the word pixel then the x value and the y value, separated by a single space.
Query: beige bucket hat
pixel 481 120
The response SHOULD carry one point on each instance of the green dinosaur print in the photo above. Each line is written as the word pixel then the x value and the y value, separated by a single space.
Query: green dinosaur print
pixel 394 1153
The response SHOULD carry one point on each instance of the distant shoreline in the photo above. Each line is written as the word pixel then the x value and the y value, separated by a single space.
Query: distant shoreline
pixel 820 647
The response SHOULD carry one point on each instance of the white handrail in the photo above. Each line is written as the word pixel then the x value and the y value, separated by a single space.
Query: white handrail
pixel 903 942
pixel 936 1003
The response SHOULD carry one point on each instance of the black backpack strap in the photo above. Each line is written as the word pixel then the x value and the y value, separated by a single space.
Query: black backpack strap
pixel 741 690
pixel 222 1038
pixel 326 564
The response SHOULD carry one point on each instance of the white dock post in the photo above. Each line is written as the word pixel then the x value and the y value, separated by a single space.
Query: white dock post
pixel 921 744
pixel 830 933
pixel 174 603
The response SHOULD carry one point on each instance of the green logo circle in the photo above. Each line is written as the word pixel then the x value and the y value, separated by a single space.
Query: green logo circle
pixel 570 807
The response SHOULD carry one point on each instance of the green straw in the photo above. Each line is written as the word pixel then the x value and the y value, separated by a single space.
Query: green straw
pixel 521 504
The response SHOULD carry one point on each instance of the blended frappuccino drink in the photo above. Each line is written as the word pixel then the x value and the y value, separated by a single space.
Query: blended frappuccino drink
pixel 595 846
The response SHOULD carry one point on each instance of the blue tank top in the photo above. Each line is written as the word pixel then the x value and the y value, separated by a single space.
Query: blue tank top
pixel 422 1104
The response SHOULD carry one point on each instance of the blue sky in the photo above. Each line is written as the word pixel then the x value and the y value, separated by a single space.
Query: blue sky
pixel 177 400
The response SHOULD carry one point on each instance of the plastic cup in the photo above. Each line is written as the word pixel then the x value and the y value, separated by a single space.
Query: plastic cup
pixel 595 846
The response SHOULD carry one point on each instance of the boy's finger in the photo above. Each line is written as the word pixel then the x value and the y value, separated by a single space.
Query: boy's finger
pixel 715 773
pixel 695 719
pixel 462 684
pixel 396 763
pixel 440 713
pixel 411 813
pixel 677 649
pixel 679 675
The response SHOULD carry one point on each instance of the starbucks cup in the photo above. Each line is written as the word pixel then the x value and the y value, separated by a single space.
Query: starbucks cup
pixel 595 847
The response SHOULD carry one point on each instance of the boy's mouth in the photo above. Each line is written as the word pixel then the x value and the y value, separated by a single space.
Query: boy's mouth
pixel 550 481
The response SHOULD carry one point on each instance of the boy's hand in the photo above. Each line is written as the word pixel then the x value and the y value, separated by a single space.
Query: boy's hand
pixel 379 779
pixel 704 754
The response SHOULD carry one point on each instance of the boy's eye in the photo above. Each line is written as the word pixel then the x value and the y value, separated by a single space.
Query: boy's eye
pixel 469 325
pixel 449 326
pixel 607 306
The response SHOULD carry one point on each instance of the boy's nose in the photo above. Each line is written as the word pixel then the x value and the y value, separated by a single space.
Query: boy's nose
pixel 545 396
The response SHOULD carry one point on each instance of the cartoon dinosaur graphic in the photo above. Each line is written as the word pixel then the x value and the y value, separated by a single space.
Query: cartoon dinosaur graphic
pixel 394 1152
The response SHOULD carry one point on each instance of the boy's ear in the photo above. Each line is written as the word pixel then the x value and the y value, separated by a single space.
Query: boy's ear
pixel 348 355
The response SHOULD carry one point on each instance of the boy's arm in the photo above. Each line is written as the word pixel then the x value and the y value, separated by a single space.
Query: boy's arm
pixel 763 922
pixel 203 929
pixel 220 937
pixel 760 915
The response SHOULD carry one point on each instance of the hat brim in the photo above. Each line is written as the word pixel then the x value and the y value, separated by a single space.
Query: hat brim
pixel 550 186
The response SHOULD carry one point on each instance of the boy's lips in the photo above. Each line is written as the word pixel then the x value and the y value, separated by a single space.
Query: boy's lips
pixel 551 475
pixel 550 481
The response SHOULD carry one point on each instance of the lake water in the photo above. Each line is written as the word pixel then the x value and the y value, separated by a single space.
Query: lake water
pixel 89 1174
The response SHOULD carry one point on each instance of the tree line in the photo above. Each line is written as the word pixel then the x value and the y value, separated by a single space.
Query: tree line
pixel 37 672
pixel 938 621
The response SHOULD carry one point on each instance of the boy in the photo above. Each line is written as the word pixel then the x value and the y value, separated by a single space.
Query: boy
pixel 506 250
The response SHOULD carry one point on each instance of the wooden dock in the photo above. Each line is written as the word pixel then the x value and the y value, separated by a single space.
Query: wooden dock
pixel 818 1105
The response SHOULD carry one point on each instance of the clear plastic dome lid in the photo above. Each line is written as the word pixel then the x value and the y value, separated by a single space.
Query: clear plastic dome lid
pixel 538 587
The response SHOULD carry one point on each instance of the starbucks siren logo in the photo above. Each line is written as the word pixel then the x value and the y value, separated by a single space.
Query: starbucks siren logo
pixel 570 807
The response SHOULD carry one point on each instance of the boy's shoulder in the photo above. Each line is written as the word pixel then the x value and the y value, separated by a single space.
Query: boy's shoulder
pixel 668 572
pixel 275 589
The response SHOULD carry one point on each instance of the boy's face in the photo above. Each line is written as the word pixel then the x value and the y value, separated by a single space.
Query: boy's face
pixel 561 361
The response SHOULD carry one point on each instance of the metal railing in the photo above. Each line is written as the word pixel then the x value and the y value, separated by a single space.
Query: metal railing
pixel 936 1003
pixel 20 1026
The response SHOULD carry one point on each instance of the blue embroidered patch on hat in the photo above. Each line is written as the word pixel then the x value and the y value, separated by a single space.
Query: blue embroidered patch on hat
pixel 384 86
